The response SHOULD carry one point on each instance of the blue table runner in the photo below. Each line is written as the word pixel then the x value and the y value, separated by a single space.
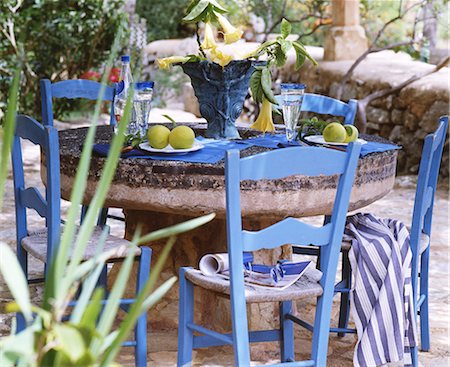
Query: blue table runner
pixel 214 150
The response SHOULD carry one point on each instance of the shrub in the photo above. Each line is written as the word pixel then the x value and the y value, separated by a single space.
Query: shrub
pixel 56 40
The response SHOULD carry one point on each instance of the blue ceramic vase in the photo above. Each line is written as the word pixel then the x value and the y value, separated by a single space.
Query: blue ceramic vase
pixel 221 93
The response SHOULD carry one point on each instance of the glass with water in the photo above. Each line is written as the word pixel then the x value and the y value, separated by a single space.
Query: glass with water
pixel 142 99
pixel 292 98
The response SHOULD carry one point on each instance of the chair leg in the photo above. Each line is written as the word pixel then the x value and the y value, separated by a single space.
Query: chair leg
pixel 186 315
pixel 344 311
pixel 140 331
pixel 103 216
pixel 84 209
pixel 414 357
pixel 287 333
pixel 22 257
pixel 424 322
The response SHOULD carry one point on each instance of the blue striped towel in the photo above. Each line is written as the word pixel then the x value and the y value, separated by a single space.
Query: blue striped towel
pixel 381 299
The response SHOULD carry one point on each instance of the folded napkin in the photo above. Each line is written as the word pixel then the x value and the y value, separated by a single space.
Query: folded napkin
pixel 213 152
pixel 275 141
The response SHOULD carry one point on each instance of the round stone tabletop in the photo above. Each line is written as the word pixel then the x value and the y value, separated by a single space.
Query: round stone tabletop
pixel 196 188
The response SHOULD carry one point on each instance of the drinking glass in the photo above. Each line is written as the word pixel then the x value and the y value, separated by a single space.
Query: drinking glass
pixel 292 98
pixel 143 94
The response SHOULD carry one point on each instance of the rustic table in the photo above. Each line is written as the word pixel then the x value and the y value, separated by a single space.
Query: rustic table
pixel 156 194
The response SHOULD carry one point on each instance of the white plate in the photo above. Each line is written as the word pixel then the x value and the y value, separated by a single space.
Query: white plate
pixel 169 150
pixel 318 139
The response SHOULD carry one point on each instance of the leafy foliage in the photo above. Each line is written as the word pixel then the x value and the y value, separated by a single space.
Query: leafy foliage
pixel 276 51
pixel 40 28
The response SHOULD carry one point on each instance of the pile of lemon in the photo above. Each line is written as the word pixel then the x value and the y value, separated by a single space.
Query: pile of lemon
pixel 181 137
pixel 338 133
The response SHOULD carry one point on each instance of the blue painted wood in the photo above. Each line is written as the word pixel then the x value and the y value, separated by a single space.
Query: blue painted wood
pixel 329 236
pixel 327 106
pixel 422 220
pixel 49 208
pixel 299 159
pixel 258 336
pixel 421 224
pixel 32 198
pixel 288 231
pixel 73 89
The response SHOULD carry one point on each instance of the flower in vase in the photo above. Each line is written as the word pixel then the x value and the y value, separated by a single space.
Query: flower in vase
pixel 208 42
pixel 232 34
pixel 264 121
pixel 220 57
pixel 167 62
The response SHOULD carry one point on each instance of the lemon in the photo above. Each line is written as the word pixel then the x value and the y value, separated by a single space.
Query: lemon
pixel 158 136
pixel 335 133
pixel 182 137
pixel 352 133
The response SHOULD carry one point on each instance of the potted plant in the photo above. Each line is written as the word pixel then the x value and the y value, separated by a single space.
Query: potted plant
pixel 221 81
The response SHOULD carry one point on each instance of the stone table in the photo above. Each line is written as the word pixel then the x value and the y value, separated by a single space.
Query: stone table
pixel 156 194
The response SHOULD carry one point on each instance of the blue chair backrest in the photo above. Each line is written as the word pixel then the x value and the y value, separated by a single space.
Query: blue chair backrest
pixel 30 197
pixel 277 164
pixel 72 89
pixel 426 186
pixel 330 106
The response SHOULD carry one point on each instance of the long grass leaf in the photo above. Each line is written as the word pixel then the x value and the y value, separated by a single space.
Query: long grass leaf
pixel 15 279
pixel 136 308
pixel 112 306
pixel 8 132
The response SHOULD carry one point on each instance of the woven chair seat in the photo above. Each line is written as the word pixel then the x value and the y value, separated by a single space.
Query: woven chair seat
pixel 305 287
pixel 114 247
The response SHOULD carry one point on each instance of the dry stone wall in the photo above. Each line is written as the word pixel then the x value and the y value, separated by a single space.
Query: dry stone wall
pixel 405 117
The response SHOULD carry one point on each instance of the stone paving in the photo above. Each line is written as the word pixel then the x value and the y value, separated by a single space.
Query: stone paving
pixel 162 345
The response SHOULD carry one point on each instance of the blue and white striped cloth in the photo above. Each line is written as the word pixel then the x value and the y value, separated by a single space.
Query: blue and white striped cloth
pixel 381 298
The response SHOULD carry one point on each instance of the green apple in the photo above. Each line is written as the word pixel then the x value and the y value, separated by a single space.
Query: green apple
pixel 334 133
pixel 158 136
pixel 182 137
pixel 352 133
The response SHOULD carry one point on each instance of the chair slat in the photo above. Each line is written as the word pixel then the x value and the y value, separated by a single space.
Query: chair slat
pixel 33 132
pixel 283 163
pixel 32 198
pixel 324 105
pixel 81 88
pixel 287 231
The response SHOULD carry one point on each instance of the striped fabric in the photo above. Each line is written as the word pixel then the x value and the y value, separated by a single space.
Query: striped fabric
pixel 381 298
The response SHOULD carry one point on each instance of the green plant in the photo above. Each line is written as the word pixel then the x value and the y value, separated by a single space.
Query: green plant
pixel 210 12
pixel 87 28
pixel 87 337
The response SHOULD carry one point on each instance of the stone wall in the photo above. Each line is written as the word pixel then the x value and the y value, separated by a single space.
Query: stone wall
pixel 405 117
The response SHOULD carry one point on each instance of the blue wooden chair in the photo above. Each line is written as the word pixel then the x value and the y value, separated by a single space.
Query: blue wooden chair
pixel 73 89
pixel 43 244
pixel 420 232
pixel 271 165
pixel 329 106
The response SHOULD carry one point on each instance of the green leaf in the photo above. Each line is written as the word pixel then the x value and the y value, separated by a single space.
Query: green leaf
pixel 218 7
pixel 196 11
pixel 300 60
pixel 266 83
pixel 255 85
pixel 70 341
pixel 285 28
pixel 280 56
pixel 299 48
pixel 176 229
pixel 17 349
pixel 158 293
pixel 15 279
pixel 8 131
